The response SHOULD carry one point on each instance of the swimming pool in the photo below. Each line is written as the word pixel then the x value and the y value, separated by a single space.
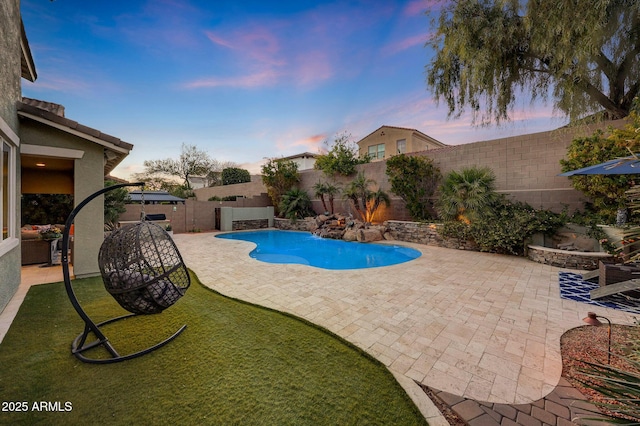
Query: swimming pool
pixel 308 249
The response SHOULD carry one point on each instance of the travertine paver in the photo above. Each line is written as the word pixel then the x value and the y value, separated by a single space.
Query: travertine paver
pixel 479 325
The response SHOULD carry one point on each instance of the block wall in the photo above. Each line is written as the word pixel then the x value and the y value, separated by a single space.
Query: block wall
pixel 526 169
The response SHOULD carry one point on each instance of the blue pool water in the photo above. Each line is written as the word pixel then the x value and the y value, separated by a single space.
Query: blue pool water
pixel 307 249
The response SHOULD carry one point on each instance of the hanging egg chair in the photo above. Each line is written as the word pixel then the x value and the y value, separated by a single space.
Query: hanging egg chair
pixel 141 268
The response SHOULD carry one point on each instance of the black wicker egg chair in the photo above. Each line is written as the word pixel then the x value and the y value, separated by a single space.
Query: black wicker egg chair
pixel 141 268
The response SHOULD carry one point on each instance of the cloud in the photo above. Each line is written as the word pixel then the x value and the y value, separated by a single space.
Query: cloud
pixel 311 143
pixel 60 84
pixel 259 44
pixel 254 168
pixel 313 67
pixel 291 143
pixel 404 44
pixel 416 7
pixel 303 50
pixel 261 79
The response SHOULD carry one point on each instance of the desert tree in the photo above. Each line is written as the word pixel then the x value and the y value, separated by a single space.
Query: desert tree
pixel 191 162
pixel 279 176
pixel 585 55
pixel 341 157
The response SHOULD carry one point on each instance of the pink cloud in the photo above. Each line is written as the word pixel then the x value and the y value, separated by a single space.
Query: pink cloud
pixel 312 67
pixel 404 44
pixel 265 78
pixel 218 40
pixel 415 8
pixel 255 167
pixel 312 143
pixel 291 143
pixel 259 44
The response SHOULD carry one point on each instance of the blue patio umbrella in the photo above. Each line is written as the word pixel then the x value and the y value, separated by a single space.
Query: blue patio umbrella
pixel 619 166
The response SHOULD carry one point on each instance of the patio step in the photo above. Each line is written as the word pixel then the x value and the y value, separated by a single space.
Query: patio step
pixel 590 275
pixel 617 288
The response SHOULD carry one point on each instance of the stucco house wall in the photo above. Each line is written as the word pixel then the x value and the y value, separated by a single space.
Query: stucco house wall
pixel 390 135
pixel 79 157
pixel 88 177
pixel 10 75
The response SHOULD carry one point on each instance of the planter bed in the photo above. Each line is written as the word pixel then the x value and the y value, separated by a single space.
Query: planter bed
pixel 567 258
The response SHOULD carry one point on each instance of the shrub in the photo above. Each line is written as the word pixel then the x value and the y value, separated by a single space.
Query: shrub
pixel 114 204
pixel 510 225
pixel 506 227
pixel 605 191
pixel 455 229
pixel 341 159
pixel 279 176
pixel 414 179
pixel 295 205
pixel 233 175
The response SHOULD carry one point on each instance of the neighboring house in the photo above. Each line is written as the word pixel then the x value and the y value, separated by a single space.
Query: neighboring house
pixel 305 161
pixel 198 182
pixel 388 141
pixel 62 156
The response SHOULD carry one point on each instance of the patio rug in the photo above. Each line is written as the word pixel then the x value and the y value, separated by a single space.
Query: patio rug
pixel 573 287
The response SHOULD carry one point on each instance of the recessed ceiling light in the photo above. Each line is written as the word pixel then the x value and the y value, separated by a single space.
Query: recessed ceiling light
pixel 40 164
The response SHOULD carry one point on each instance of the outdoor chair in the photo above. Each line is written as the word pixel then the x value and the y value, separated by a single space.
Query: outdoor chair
pixel 141 268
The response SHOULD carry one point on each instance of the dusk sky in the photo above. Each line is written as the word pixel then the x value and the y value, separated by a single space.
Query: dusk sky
pixel 243 80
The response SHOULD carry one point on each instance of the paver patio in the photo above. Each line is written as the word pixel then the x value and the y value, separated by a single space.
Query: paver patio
pixel 477 325
pixel 473 325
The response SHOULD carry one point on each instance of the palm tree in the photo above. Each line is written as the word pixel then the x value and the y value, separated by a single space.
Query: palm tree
pixel 364 200
pixel 375 199
pixel 466 195
pixel 320 189
pixel 330 190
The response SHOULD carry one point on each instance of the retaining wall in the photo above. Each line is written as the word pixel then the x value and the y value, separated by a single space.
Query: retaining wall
pixel 567 259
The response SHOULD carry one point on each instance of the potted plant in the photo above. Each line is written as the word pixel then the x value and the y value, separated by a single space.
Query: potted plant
pixel 169 229
pixel 49 232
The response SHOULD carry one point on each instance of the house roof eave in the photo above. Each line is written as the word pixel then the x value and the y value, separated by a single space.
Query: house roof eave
pixel 27 65
pixel 115 149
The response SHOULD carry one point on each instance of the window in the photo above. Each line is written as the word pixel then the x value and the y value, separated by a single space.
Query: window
pixel 4 189
pixel 376 151
pixel 7 191
pixel 401 145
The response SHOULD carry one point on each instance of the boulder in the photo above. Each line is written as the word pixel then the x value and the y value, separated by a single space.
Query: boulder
pixel 350 235
pixel 321 219
pixel 368 235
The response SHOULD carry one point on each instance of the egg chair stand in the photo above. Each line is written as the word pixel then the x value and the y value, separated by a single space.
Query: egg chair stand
pixel 141 268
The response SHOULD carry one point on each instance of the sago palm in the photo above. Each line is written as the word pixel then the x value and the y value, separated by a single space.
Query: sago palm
pixel 296 204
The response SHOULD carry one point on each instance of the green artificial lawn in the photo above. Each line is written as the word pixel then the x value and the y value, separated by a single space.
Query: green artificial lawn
pixel 235 364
